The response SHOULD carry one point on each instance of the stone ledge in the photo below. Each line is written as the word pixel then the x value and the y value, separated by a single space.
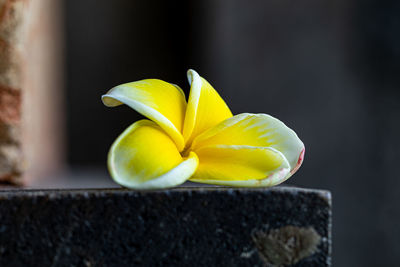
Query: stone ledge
pixel 188 226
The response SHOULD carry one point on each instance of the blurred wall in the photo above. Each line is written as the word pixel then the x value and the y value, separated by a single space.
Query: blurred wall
pixel 329 69
pixel 43 105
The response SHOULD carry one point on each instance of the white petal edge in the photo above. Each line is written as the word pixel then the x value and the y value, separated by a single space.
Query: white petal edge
pixel 113 99
pixel 282 174
pixel 174 177
pixel 294 156
pixel 195 91
pixel 274 179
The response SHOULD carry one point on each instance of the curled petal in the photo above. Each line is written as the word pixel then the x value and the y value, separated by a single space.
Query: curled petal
pixel 240 166
pixel 205 107
pixel 144 157
pixel 258 130
pixel 162 102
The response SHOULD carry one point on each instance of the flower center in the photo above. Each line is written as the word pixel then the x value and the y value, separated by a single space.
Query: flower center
pixel 185 152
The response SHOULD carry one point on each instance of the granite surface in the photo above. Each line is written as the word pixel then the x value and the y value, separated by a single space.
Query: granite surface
pixel 191 226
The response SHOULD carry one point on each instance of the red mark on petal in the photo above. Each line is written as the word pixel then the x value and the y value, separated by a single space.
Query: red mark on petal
pixel 299 162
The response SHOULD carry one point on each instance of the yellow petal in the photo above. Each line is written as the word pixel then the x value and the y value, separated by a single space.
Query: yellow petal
pixel 240 166
pixel 258 130
pixel 205 107
pixel 160 101
pixel 145 157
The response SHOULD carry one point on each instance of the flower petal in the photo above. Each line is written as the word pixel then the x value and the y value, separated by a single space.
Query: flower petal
pixel 145 157
pixel 240 166
pixel 205 107
pixel 160 101
pixel 258 130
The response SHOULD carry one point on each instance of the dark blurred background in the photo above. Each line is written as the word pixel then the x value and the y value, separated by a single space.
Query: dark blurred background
pixel 329 69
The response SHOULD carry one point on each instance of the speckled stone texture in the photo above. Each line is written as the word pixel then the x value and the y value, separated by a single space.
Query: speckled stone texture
pixel 191 226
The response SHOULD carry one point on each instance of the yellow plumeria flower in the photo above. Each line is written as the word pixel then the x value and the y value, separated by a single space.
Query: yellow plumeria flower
pixel 199 140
